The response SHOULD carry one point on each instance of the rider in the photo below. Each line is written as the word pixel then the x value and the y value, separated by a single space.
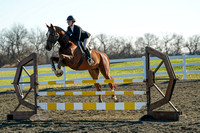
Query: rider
pixel 77 34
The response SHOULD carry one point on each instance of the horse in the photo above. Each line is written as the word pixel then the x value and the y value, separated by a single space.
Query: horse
pixel 72 55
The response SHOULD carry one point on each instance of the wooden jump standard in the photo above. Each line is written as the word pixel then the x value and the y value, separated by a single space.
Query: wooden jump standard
pixel 17 115
pixel 150 82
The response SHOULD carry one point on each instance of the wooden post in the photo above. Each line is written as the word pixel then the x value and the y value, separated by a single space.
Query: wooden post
pixel 148 93
pixel 184 67
pixel 35 80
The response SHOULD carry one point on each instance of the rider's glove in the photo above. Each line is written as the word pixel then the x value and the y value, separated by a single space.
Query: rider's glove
pixel 69 33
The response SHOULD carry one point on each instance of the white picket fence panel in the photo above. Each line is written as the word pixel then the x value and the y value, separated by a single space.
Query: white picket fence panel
pixel 183 64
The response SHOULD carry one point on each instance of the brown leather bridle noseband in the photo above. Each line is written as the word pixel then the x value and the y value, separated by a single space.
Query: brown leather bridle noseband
pixel 55 35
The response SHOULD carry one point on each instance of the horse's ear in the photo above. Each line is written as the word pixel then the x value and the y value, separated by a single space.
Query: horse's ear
pixel 53 27
pixel 47 26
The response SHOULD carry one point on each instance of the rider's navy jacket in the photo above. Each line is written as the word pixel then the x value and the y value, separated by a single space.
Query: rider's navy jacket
pixel 78 34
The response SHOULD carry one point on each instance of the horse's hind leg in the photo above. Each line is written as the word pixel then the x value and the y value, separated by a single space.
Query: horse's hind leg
pixel 95 75
pixel 105 70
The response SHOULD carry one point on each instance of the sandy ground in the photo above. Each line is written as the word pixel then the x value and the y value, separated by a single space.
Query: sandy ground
pixel 186 98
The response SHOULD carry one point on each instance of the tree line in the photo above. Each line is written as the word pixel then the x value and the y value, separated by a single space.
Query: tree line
pixel 18 42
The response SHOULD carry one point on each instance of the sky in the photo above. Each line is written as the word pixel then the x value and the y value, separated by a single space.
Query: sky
pixel 111 17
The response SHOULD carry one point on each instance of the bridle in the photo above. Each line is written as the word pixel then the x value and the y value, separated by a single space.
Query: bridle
pixel 55 35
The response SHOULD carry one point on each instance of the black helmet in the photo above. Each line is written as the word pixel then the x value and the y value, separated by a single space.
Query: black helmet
pixel 71 18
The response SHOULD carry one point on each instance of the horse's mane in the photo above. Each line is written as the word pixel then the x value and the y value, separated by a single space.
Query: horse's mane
pixel 59 28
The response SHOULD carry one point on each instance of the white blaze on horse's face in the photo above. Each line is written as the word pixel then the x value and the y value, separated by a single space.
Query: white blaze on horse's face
pixel 48 33
pixel 48 47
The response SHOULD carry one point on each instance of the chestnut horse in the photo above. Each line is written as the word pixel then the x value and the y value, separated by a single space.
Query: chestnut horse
pixel 72 55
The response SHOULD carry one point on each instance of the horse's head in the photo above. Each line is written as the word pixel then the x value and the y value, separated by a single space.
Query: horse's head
pixel 52 37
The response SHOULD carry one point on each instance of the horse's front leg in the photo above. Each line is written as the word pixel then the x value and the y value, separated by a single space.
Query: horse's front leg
pixel 52 60
pixel 58 72
pixel 64 60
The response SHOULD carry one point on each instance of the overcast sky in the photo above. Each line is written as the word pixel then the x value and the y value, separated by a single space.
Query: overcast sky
pixel 112 17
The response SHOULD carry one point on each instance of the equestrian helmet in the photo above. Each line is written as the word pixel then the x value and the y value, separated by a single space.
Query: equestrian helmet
pixel 71 18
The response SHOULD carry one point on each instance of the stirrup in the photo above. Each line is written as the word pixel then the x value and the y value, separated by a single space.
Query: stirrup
pixel 90 61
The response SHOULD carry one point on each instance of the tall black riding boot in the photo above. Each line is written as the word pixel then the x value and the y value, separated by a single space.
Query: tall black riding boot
pixel 90 61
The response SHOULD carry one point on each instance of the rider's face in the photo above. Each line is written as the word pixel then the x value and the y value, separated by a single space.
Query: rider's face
pixel 69 22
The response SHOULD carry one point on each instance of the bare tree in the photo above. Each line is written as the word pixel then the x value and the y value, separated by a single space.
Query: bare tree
pixel 193 44
pixel 20 34
pixel 165 43
pixel 149 40
pixel 37 39
pixel 103 39
pixel 3 47
pixel 15 42
pixel 116 44
pixel 177 44
pixel 93 43
pixel 127 50
pixel 4 55
pixel 140 45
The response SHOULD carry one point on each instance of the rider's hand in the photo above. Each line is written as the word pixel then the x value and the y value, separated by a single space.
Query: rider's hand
pixel 69 33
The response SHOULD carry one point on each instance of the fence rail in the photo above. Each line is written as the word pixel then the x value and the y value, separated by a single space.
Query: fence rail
pixel 183 64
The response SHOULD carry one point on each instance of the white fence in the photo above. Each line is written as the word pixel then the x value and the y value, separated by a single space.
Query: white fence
pixel 183 64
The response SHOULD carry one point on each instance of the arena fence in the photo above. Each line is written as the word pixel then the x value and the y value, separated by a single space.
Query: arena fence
pixel 184 64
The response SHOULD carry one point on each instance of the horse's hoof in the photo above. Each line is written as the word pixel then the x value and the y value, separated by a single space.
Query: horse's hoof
pixel 115 99
pixel 58 75
pixel 58 72
pixel 100 100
